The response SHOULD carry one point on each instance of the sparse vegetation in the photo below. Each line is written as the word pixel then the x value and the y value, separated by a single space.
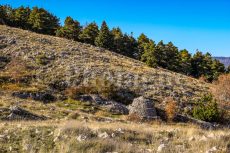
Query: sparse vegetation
pixel 96 137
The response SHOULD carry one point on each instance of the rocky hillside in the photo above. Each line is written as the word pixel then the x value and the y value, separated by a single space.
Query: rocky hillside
pixel 58 94
pixel 51 62
pixel 224 60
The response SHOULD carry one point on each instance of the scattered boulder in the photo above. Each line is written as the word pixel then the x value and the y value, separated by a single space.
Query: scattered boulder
pixel 144 108
pixel 117 108
pixel 17 113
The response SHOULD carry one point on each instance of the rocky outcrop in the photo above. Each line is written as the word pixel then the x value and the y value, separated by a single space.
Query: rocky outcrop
pixel 143 107
pixel 112 106
pixel 17 113
pixel 45 97
pixel 117 108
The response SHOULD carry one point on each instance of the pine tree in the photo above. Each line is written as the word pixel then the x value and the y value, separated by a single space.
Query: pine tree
pixel 21 16
pixel 71 29
pixel 217 69
pixel 172 57
pixel 104 38
pixel 142 40
pixel 185 62
pixel 130 46
pixel 197 64
pixel 118 40
pixel 42 21
pixel 89 34
pixel 148 55
pixel 6 15
pixel 160 54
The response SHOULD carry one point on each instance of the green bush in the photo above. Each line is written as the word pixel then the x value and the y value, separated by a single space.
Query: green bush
pixel 206 109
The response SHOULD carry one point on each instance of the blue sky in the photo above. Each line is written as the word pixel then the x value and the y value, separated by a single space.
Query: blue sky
pixel 190 24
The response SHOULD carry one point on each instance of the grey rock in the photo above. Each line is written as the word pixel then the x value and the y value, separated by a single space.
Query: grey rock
pixel 117 108
pixel 143 107
pixel 18 113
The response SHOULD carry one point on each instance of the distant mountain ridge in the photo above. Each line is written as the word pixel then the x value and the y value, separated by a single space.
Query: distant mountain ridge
pixel 224 60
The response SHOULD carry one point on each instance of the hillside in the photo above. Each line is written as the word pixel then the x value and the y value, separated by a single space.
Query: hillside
pixel 54 60
pixel 224 60
pixel 40 76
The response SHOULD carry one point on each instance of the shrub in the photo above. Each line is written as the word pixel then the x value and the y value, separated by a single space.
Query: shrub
pixel 206 109
pixel 221 89
pixel 99 86
pixel 170 109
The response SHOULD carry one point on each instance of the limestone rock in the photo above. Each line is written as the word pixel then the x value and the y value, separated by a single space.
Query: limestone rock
pixel 143 107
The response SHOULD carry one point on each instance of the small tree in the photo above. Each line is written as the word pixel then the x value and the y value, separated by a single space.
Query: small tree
pixel 104 38
pixel 142 40
pixel 148 56
pixel 71 29
pixel 89 34
pixel 21 16
pixel 42 21
pixel 206 109
pixel 6 15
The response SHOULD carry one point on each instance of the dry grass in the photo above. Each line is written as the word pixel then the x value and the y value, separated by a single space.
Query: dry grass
pixel 63 136
pixel 221 90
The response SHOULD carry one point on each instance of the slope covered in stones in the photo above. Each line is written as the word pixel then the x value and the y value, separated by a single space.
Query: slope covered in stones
pixel 51 63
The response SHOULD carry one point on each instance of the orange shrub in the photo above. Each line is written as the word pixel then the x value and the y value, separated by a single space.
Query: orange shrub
pixel 170 108
pixel 221 89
